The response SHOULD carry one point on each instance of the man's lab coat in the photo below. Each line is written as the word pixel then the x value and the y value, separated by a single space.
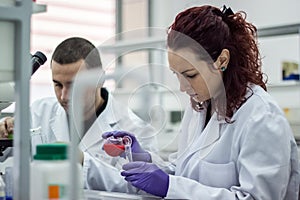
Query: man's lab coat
pixel 49 121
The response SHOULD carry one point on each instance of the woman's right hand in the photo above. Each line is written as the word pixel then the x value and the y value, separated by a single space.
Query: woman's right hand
pixel 6 127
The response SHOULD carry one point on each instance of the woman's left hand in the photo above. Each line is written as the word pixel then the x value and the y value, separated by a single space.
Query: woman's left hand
pixel 147 177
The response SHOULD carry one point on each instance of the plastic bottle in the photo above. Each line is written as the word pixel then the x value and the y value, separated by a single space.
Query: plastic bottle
pixel 49 172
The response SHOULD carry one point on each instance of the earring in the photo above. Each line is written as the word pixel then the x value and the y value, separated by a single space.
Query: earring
pixel 223 68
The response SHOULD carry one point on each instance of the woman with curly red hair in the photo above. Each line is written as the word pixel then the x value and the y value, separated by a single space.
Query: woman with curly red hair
pixel 235 142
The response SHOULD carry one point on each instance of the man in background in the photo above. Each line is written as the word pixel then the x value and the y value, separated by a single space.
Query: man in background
pixel 50 116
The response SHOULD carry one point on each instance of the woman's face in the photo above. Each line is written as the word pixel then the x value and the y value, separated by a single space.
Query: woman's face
pixel 198 79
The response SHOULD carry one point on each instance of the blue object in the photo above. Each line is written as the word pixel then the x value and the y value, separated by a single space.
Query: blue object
pixel 147 177
pixel 138 153
pixel 8 179
pixel 292 77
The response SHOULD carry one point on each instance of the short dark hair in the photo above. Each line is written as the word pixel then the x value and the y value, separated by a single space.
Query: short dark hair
pixel 75 48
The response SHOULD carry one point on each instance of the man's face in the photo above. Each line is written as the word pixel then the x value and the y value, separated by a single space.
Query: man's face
pixel 62 76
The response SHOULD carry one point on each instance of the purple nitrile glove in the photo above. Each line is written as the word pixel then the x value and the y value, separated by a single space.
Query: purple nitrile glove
pixel 147 177
pixel 138 153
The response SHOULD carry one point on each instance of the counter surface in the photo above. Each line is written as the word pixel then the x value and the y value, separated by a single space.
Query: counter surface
pixel 102 195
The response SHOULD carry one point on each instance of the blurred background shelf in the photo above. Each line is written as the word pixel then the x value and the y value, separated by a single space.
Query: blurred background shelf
pixel 38 8
pixel 290 83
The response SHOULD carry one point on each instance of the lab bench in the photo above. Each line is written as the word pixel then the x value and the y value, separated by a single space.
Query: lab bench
pixel 102 195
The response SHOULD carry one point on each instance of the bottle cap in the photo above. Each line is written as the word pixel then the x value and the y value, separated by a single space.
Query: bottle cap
pixel 51 151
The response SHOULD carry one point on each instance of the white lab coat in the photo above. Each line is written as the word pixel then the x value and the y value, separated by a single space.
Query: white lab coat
pixel 50 121
pixel 253 158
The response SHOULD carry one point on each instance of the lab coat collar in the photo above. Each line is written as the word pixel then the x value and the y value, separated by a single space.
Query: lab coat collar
pixel 59 125
pixel 211 133
pixel 207 139
pixel 110 112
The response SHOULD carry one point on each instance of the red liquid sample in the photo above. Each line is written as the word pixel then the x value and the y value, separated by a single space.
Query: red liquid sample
pixel 113 149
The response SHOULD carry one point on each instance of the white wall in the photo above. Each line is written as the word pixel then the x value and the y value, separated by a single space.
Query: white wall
pixel 265 13
pixel 261 13
pixel 274 50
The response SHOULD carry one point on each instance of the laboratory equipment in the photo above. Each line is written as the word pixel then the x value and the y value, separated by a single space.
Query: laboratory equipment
pixel 7 94
pixel 116 146
pixel 80 85
pixel 15 44
pixel 50 172
pixel 37 60
pixel 15 17
pixel 7 89
pixel 120 146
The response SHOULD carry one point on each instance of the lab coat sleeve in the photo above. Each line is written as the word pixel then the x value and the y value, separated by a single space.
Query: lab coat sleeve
pixel 99 175
pixel 263 166
pixel 266 159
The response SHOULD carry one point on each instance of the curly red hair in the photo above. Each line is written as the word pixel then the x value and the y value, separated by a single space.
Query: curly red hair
pixel 214 31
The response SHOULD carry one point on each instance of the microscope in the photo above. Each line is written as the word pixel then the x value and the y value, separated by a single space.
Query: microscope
pixel 7 94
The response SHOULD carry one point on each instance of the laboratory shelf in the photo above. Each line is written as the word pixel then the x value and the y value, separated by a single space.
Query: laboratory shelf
pixel 151 41
pixel 278 30
pixel 15 16
pixel 38 8
pixel 133 45
pixel 294 122
pixel 289 83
